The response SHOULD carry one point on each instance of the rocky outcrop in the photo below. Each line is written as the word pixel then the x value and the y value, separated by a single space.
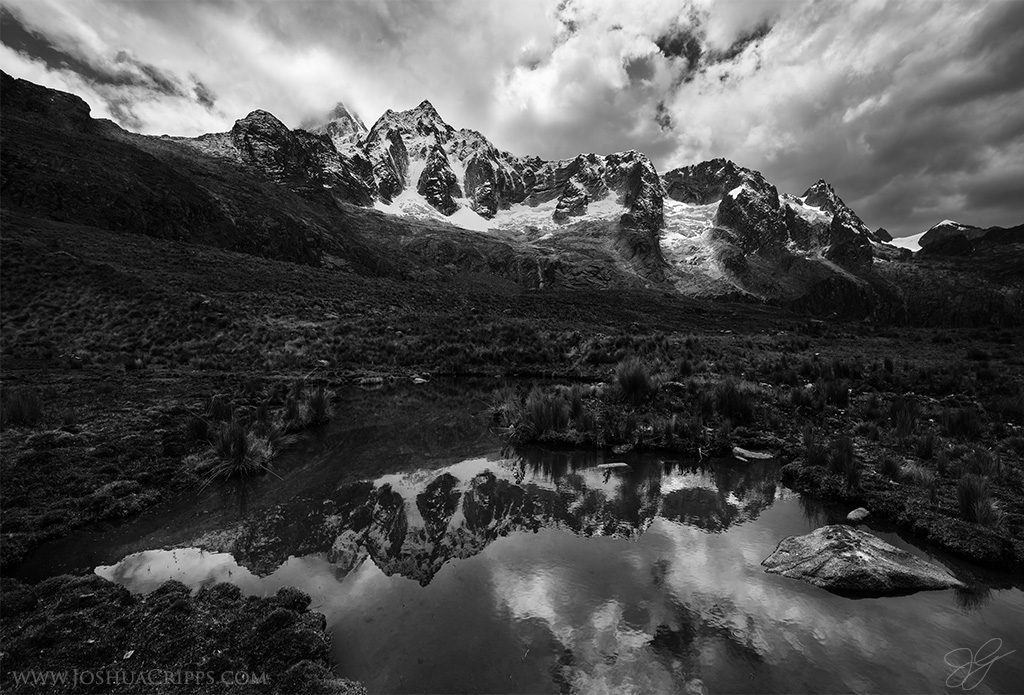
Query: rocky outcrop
pixel 350 175
pixel 572 202
pixel 438 183
pixel 977 243
pixel 634 177
pixel 299 158
pixel 848 248
pixel 268 145
pixel 848 560
pixel 389 159
pixel 60 109
pixel 753 216
pixel 710 181
pixel 848 238
pixel 949 229
pixel 493 179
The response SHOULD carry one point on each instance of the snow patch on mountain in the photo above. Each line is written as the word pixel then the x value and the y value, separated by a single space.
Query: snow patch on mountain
pixel 691 249
pixel 912 242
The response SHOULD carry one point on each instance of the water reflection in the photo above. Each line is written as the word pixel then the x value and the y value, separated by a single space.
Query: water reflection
pixel 543 573
pixel 411 524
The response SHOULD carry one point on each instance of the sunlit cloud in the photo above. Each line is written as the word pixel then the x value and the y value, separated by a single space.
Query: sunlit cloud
pixel 910 109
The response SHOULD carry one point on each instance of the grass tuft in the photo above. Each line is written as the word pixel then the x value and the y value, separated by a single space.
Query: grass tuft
pixel 634 380
pixel 975 501
pixel 319 405
pixel 889 467
pixel 734 400
pixel 545 412
pixel 239 451
pixel 904 414
pixel 20 406
pixel 963 423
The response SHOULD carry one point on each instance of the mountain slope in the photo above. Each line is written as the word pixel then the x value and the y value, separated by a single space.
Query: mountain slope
pixel 413 197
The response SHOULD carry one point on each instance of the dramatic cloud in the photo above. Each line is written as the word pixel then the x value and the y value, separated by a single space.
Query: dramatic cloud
pixel 911 109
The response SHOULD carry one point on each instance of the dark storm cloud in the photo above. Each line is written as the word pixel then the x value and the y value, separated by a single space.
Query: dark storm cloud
pixel 911 109
pixel 203 95
pixel 679 42
pixel 17 36
pixel 125 70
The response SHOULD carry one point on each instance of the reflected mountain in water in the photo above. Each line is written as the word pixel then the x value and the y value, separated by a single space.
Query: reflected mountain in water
pixel 411 524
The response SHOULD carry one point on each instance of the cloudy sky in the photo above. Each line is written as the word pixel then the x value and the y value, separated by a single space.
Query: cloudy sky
pixel 914 111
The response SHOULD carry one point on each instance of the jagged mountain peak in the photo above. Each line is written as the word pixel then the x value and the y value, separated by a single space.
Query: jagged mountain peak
pixel 344 127
pixel 822 195
pixel 342 111
pixel 425 107
pixel 711 180
pixel 261 117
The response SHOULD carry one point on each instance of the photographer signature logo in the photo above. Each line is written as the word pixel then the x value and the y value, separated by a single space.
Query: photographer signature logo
pixel 971 667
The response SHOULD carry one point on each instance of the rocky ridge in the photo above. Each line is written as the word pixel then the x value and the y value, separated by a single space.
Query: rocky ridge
pixel 414 195
pixel 413 162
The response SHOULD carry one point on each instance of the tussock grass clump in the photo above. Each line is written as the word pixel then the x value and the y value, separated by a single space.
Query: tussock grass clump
pixel 981 462
pixel 843 461
pixel 869 430
pixel 734 400
pixel 1007 408
pixel 918 476
pixel 635 381
pixel 292 415
pixel 841 454
pixel 815 451
pixel 925 446
pixel 904 413
pixel 20 406
pixel 240 451
pixel 963 423
pixel 889 467
pixel 835 392
pixel 545 412
pixel 808 398
pixel 505 405
pixel 975 502
pixel 319 405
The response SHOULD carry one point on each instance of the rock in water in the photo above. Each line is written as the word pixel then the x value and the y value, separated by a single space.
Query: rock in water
pixel 748 455
pixel 857 515
pixel 844 559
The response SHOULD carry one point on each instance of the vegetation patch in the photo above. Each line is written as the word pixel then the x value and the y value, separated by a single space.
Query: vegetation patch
pixel 120 642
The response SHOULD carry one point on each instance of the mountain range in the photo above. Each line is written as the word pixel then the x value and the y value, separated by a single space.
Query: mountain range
pixel 413 197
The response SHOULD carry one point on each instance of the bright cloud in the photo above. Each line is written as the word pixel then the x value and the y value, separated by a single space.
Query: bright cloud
pixel 911 109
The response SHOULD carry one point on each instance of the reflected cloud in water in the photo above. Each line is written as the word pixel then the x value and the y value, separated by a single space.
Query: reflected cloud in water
pixel 559 576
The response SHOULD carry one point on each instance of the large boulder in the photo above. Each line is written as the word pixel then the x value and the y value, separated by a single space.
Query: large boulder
pixel 848 560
